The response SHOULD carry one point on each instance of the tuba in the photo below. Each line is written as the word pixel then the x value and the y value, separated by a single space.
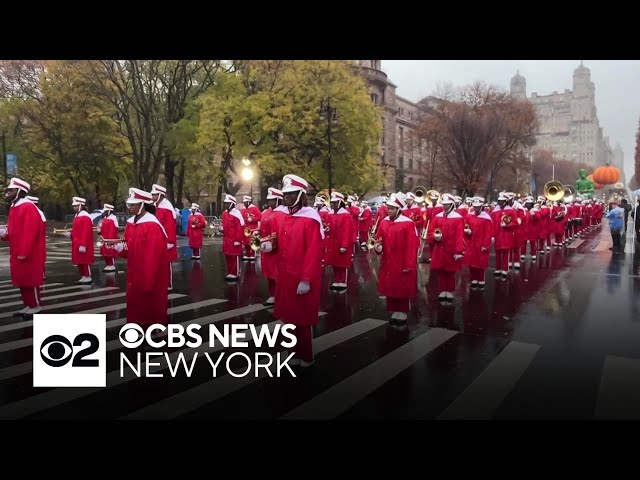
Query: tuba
pixel 506 219
pixel 554 191
pixel 420 193
pixel 569 193
pixel 432 192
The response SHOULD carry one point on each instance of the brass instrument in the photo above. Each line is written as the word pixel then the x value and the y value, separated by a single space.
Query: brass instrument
pixel 110 242
pixel 554 191
pixel 248 232
pixel 437 234
pixel 467 229
pixel 325 227
pixel 374 229
pixel 59 231
pixel 432 192
pixel 420 193
pixel 506 219
pixel 569 193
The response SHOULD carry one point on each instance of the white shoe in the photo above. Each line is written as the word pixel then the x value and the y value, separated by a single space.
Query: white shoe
pixel 31 311
pixel 109 268
pixel 394 315
pixel 481 284
pixel 534 258
pixel 474 282
pixel 270 301
pixel 449 296
pixel 522 257
pixel 548 249
pixel 85 280
pixel 401 316
pixel 516 265
pixel 442 296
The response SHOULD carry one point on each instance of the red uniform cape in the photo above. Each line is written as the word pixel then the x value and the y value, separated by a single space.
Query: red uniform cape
pixel 43 234
pixel 399 240
pixel 520 231
pixel 504 238
pixel 558 226
pixel 270 223
pixel 452 242
pixel 257 216
pixel 534 221
pixel 109 229
pixel 232 231
pixel 166 215
pixel 24 232
pixel 414 214
pixel 195 229
pixel 340 236
pixel 462 211
pixel 365 222
pixel 299 259
pixel 381 213
pixel 544 222
pixel 147 272
pixel 481 232
pixel 82 236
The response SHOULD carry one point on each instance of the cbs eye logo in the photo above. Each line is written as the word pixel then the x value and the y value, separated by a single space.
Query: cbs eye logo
pixel 69 350
pixel 57 350
pixel 132 335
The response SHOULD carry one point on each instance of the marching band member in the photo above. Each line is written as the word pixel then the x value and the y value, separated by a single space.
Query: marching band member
pixel 431 212
pixel 460 209
pixel 478 233
pixel 559 221
pixel 396 243
pixel 341 233
pixel 43 242
pixel 300 268
pixel 504 221
pixel 26 258
pixel 82 253
pixel 533 226
pixel 544 235
pixel 354 210
pixel 108 228
pixel 382 212
pixel 166 215
pixel 270 223
pixel 413 211
pixel 252 217
pixel 145 251
pixel 519 231
pixel 365 223
pixel 232 238
pixel 323 211
pixel 446 231
pixel 195 230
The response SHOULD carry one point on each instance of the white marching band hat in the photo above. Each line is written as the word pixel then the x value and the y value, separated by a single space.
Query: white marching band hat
pixel 274 194
pixel 139 196
pixel 195 206
pixel 447 199
pixel 397 200
pixel 294 183
pixel 247 198
pixel 19 184
pixel 158 189
pixel 337 197
pixel 230 199
pixel 78 201
pixel 107 206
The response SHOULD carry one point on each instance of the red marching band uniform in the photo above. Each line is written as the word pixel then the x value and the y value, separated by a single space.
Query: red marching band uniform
pixel 559 219
pixel 195 230
pixel 82 253
pixel 413 211
pixel 166 215
pixel 477 237
pixel 144 247
pixel 354 210
pixel 299 283
pixel 323 211
pixel 397 242
pixel 544 225
pixel 42 240
pixel 339 241
pixel 252 217
pixel 109 229
pixel 232 238
pixel 365 222
pixel 533 225
pixel 429 214
pixel 504 221
pixel 270 223
pixel 26 256
pixel 446 233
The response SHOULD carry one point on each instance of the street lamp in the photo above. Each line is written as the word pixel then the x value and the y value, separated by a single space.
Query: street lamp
pixel 328 113
pixel 247 175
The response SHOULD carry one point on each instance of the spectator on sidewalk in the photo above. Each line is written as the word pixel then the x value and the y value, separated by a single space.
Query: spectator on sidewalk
pixel 624 204
pixel 616 225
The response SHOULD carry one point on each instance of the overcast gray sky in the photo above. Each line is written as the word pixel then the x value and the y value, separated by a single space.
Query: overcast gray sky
pixel 617 83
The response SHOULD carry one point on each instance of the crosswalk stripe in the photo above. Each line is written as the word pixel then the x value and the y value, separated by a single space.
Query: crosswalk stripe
pixel 45 287
pixel 196 397
pixel 55 297
pixel 351 390
pixel 481 399
pixel 575 244
pixel 58 396
pixel 61 289
pixel 2 282
pixel 619 394
pixel 25 342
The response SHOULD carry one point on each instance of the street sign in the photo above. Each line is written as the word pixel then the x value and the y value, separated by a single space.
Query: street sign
pixel 12 164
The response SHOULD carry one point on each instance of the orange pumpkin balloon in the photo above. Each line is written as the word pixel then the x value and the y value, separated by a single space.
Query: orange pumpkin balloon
pixel 596 185
pixel 606 175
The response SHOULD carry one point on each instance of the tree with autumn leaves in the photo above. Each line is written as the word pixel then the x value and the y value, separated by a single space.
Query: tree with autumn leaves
pixel 474 132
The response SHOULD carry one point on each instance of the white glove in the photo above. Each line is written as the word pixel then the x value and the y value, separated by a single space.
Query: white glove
pixel 378 247
pixel 170 246
pixel 303 287
pixel 3 231
pixel 266 247
pixel 67 234
pixel 118 247
pixel 236 244
pixel 457 257
pixel 82 249
pixel 343 250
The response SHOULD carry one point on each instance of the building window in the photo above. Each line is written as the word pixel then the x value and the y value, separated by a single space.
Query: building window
pixel 374 98
pixel 401 139
pixel 410 182
pixel 383 132
pixel 401 163
pixel 410 163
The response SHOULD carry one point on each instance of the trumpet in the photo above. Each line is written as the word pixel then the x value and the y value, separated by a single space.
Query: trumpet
pixel 110 242
pixel 248 232
pixel 256 241
pixel 325 227
pixel 59 231
pixel 467 229
pixel 437 234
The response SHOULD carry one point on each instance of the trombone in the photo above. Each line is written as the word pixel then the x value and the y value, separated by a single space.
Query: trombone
pixel 110 242
pixel 61 231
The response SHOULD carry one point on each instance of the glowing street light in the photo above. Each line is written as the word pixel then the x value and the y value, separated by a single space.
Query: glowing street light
pixel 247 174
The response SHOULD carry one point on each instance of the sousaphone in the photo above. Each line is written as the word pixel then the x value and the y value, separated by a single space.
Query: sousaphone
pixel 554 190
